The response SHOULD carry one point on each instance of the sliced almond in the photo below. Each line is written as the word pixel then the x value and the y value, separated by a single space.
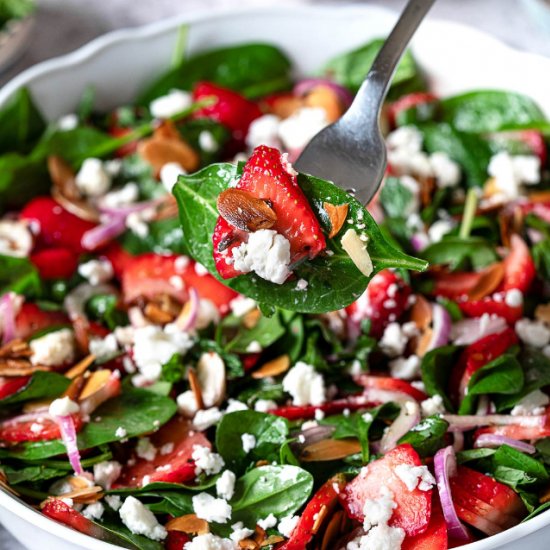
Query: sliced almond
pixel 160 151
pixel 211 375
pixel 167 130
pixel 156 314
pixel 337 215
pixel 251 318
pixel 357 251
pixel 325 98
pixel 330 449
pixel 19 367
pixel 545 497
pixel 248 544
pixel 427 187
pixel 542 313
pixel 244 211
pixel 424 342
pixel 273 368
pixel 190 524
pixel 75 387
pixel 33 406
pixel 488 282
pixel 15 349
pixel 284 106
pixel 332 531
pixel 259 534
pixel 92 494
pixel 271 540
pixel 539 196
pixel 81 367
pixel 421 313
pixel 195 388
pixel 95 383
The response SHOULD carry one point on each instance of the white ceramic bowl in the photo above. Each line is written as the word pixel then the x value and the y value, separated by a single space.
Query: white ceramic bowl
pixel 455 58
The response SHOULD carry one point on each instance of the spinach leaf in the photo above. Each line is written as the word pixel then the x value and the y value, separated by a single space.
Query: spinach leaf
pixel 395 197
pixel 266 332
pixel 474 454
pixel 543 447
pixel 253 70
pixel 269 430
pixel 122 536
pixel 164 237
pixel 536 511
pixel 428 436
pixel 136 411
pixel 15 9
pixel 21 123
pixel 503 375
pixel 42 385
pixel 103 308
pixel 489 111
pixel 31 474
pixel 197 195
pixel 436 370
pixel 350 68
pixel 18 275
pixel 194 128
pixel 513 477
pixel 512 458
pixel 541 256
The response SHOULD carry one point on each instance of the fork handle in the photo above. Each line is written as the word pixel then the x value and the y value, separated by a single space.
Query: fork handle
pixel 373 90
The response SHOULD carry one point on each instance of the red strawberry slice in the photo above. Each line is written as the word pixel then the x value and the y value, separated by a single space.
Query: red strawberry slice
pixel 176 540
pixel 31 319
pixel 151 274
pixel 57 226
pixel 416 99
pixel 17 431
pixel 387 383
pixel 176 465
pixel 434 538
pixel 413 509
pixel 295 412
pixel 125 150
pixel 10 386
pixel 266 177
pixel 230 108
pixel 384 300
pixel 326 496
pixel 455 285
pixel 118 257
pixel 478 308
pixel 519 267
pixel 516 431
pixel 55 263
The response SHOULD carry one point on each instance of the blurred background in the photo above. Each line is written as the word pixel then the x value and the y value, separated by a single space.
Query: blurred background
pixel 60 26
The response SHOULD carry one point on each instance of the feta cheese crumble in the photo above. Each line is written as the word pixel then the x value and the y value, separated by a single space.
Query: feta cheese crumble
pixel 415 477
pixel 240 532
pixel 140 520
pixel 207 142
pixel 268 522
pixel 170 173
pixel 305 385
pixel 205 418
pixel 170 104
pixel 53 349
pixel 241 305
pixel 510 172
pixel 145 449
pixel 93 511
pixel 225 485
pixel 63 406
pixel 264 405
pixel 405 368
pixel 206 461
pixel 210 508
pixel 533 333
pixel 209 541
pixel 249 442
pixel 395 338
pixel 533 403
pixel 93 179
pixel 15 239
pixel 432 405
pixel 106 473
pixel 298 129
pixel 104 348
pixel 287 525
pixel 124 196
pixel 264 131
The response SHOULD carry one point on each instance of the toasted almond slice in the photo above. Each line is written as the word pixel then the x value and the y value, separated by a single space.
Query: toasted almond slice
pixel 284 106
pixel 488 282
pixel 81 367
pixel 167 130
pixel 337 215
pixel 321 515
pixel 271 540
pixel 539 196
pixel 259 534
pixel 75 387
pixel 332 531
pixel 542 313
pixel 189 523
pixel 160 151
pixel 245 211
pixel 156 314
pixel 273 368
pixel 326 98
pixel 421 313
pixel 261 463
pixel 423 342
pixel 195 387
pixel 63 177
pixel 248 544
pixel 211 376
pixel 357 250
pixel 40 404
pixel 427 186
pixel 79 495
pixel 251 319
pixel 19 367
pixel 15 348
pixel 330 449
pixel 95 382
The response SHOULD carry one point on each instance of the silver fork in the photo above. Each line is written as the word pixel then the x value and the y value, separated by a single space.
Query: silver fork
pixel 351 152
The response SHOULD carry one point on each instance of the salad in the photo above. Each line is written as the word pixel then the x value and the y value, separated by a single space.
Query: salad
pixel 203 349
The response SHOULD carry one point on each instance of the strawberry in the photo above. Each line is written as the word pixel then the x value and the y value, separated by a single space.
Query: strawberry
pixel 455 285
pixel 56 509
pixel 516 431
pixel 435 537
pixel 327 497
pixel 176 540
pixel 384 300
pixel 230 108
pixel 519 267
pixel 129 148
pixel 491 306
pixel 17 431
pixel 387 383
pixel 413 509
pixel 175 466
pixel 55 263
pixel 265 176
pixel 10 386
pixel 151 274
pixel 31 319
pixel 417 100
pixel 57 226
pixel 118 257
pixel 295 412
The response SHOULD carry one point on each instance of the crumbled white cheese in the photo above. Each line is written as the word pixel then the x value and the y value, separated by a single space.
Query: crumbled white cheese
pixel 319 414
pixel 205 418
pixel 171 104
pixel 140 520
pixel 93 180
pixel 225 485
pixel 510 172
pixel 67 122
pixel 15 238
pixel 114 501
pixel 264 131
pixel 266 253
pixel 439 229
pixel 301 284
pixel 234 405
pixel 187 404
pixel 409 183
pixel 287 525
pixel 379 511
pixel 533 403
pixel 405 137
pixel 240 532
pixel 166 449
pixel 209 541
pixel 268 522
pixel 206 461
pixel 405 368
pixel 381 537
pixel 241 305
pixel 207 142
pixel 121 197
pixel 254 347
pixel 106 473
pixel 170 173
pixel 432 405
pixel 533 333
pixel 121 432
pixel 145 449
pixel 298 129
pixel 305 385
pixel 53 349
pixel 395 338
pixel 445 170
pixel 405 153
pixel 514 298
pixel 124 335
pixel 64 406
pixel 104 348
pixel 93 511
pixel 136 222
pixel 248 441
pixel 210 508
pixel 264 405
pixel 415 477
pixel 154 346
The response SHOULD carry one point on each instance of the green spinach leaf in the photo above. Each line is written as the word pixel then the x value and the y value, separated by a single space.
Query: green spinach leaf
pixel 19 275
pixel 436 368
pixel 266 332
pixel 42 385
pixel 428 436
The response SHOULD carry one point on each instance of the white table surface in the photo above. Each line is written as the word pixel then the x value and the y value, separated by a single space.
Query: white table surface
pixel 63 25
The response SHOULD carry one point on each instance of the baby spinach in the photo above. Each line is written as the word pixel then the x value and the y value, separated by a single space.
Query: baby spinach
pixel 253 70
pixel 18 275
pixel 474 454
pixel 42 385
pixel 192 130
pixel 164 237
pixel 395 197
pixel 31 474
pixel 15 9
pixel 541 256
pixel 428 436
pixel 266 332
pixel 103 308
pixel 120 535
pixel 333 281
pixel 269 430
pixel 512 458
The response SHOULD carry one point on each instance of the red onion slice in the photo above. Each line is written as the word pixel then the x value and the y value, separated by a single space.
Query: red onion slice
pixel 442 324
pixel 102 234
pixel 494 440
pixel 7 316
pixel 68 435
pixel 468 331
pixel 407 419
pixel 445 468
pixel 469 422
pixel 305 86
pixel 187 319
pixel 419 241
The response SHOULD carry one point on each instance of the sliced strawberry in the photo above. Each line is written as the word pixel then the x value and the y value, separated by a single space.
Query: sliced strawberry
pixel 478 308
pixel 434 538
pixel 327 497
pixel 128 149
pixel 296 412
pixel 231 109
pixel 118 257
pixel 31 319
pixel 57 226
pixel 415 99
pixel 266 177
pixel 176 466
pixel 387 383
pixel 516 431
pixel 17 430
pixel 176 540
pixel 56 509
pixel 55 263
pixel 10 386
pixel 413 509
pixel 384 300
pixel 151 274
pixel 455 285
pixel 519 267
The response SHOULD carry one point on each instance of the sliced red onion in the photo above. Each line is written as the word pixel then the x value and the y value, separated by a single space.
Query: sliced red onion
pixel 76 299
pixel 442 324
pixel 187 320
pixel 103 233
pixel 463 423
pixel 535 236
pixel 445 468
pixel 303 87
pixel 407 419
pixel 494 440
pixel 68 435
pixel 312 435
pixel 7 316
pixel 468 331
pixel 419 241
